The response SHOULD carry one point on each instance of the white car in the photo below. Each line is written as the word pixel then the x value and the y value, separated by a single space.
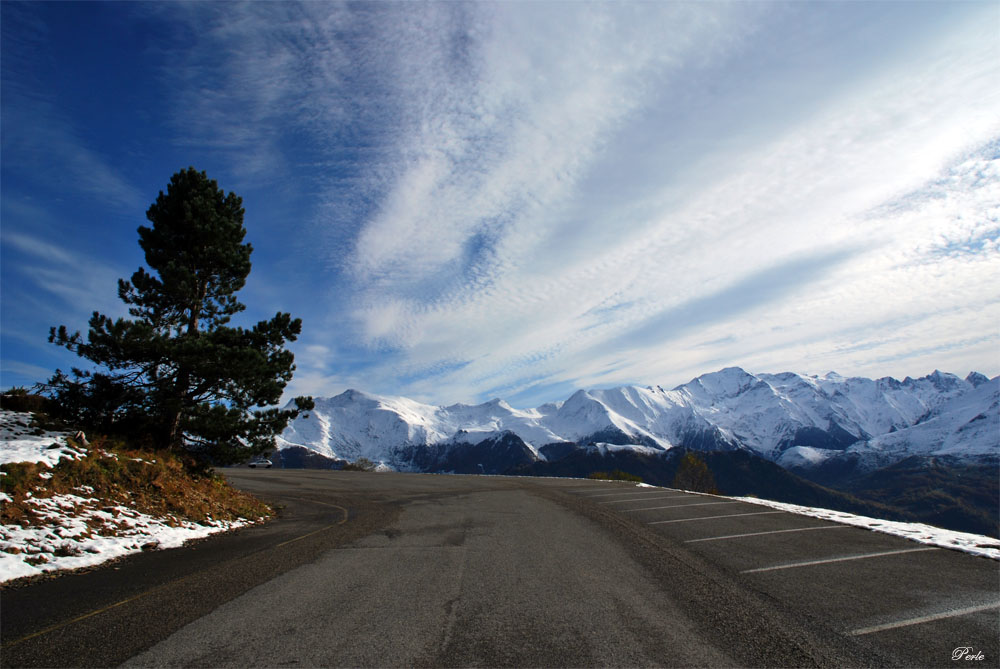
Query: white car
pixel 260 462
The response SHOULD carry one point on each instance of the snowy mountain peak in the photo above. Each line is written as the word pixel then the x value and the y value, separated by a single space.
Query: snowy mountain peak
pixel 976 379
pixel 789 418
pixel 725 383
pixel 498 403
pixel 943 381
pixel 350 395
pixel 352 398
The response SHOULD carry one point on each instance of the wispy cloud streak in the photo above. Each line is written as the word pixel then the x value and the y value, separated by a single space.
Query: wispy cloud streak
pixel 466 199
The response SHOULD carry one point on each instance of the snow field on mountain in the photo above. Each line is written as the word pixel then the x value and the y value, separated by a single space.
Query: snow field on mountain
pixel 882 421
pixel 806 456
pixel 963 424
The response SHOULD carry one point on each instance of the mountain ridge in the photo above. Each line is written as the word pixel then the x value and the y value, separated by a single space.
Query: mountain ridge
pixel 797 421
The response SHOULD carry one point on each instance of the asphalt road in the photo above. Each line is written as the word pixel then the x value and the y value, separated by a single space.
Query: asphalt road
pixel 423 570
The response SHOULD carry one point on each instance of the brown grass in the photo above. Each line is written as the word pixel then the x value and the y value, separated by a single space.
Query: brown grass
pixel 155 483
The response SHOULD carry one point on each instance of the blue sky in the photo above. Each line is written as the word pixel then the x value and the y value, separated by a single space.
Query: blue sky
pixel 464 201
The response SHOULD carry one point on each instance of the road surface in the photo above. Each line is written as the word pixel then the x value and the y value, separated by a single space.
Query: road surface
pixel 364 569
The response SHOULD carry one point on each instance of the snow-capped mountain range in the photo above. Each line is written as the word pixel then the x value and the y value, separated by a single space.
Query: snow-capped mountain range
pixel 797 421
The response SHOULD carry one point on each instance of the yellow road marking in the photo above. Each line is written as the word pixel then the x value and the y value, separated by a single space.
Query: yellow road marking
pixel 306 536
pixel 94 613
pixel 322 529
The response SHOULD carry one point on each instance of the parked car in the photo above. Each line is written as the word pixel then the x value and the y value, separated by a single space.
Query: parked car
pixel 260 462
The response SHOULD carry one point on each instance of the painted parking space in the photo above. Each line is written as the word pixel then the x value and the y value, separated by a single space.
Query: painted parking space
pixel 942 613
pixel 637 499
pixel 853 557
pixel 696 516
pixel 759 533
pixel 924 603
pixel 927 602
pixel 795 550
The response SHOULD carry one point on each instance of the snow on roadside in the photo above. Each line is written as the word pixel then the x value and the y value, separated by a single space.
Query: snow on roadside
pixel 976 544
pixel 78 530
pixel 20 443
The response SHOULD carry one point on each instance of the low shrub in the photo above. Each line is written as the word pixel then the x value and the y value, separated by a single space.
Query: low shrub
pixel 19 399
pixel 615 475
pixel 693 474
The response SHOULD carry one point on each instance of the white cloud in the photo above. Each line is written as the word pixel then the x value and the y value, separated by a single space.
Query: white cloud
pixel 82 284
pixel 505 196
pixel 43 142
pixel 484 154
pixel 19 369
pixel 555 281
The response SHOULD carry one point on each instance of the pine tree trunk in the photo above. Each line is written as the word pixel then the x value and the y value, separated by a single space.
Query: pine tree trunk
pixel 173 424
pixel 175 435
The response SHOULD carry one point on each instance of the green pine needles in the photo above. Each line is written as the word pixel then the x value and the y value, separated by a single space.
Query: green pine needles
pixel 176 375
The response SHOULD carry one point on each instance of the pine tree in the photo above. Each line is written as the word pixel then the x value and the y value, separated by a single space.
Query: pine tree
pixel 176 372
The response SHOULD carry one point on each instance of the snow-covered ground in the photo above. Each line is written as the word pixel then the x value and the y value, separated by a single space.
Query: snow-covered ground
pixel 20 443
pixel 976 544
pixel 80 530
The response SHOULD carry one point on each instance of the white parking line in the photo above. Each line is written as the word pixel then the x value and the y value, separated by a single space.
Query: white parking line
pixel 758 534
pixel 810 563
pixel 925 619
pixel 681 506
pixel 731 515
pixel 641 499
pixel 620 493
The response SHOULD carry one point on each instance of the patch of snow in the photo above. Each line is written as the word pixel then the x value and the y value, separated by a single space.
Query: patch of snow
pixel 605 448
pixel 18 443
pixel 975 544
pixel 76 530
pixel 72 535
pixel 806 456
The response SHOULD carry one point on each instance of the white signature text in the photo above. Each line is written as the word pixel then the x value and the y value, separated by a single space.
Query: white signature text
pixel 967 653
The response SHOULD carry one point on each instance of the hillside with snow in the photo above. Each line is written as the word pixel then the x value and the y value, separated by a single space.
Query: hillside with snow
pixel 794 420
pixel 48 524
